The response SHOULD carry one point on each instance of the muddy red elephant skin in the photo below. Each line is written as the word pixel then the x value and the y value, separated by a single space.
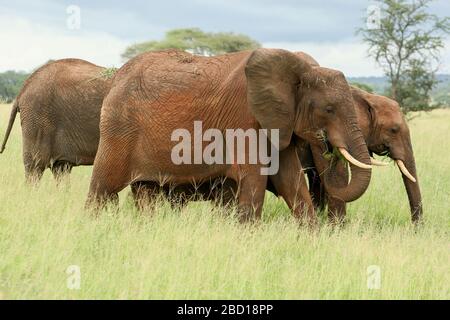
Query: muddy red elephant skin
pixel 384 128
pixel 156 93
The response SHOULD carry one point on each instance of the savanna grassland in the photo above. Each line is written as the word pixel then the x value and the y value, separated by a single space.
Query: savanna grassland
pixel 199 252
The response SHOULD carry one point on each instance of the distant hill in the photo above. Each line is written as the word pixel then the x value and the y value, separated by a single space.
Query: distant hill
pixel 441 93
pixel 378 84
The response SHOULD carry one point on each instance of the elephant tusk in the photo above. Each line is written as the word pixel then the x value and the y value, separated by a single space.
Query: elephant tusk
pixel 353 161
pixel 378 163
pixel 405 171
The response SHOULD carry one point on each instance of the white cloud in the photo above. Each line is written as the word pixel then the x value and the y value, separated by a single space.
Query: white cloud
pixel 348 56
pixel 26 45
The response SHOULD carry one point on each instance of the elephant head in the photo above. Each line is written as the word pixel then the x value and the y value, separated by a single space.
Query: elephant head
pixel 313 103
pixel 387 133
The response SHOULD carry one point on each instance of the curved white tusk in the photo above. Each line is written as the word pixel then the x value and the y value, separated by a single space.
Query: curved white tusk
pixel 353 161
pixel 379 163
pixel 405 171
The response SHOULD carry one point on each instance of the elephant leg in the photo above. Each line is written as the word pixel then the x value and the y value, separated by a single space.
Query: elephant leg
pixel 290 183
pixel 144 194
pixel 337 207
pixel 36 152
pixel 34 168
pixel 61 170
pixel 109 176
pixel 336 211
pixel 316 190
pixel 252 188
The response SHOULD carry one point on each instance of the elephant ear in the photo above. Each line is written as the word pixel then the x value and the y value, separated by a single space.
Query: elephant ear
pixel 363 98
pixel 273 76
pixel 303 55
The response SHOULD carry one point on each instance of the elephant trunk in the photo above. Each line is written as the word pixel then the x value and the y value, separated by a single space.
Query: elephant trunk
pixel 337 184
pixel 412 188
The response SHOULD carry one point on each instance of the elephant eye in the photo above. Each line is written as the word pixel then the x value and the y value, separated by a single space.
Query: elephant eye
pixel 329 109
pixel 395 129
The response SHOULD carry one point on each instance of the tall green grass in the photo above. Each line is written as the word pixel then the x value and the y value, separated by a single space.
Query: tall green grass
pixel 199 252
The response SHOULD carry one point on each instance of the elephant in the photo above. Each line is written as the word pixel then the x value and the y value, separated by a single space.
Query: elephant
pixel 157 93
pixel 59 107
pixel 384 129
pixel 386 133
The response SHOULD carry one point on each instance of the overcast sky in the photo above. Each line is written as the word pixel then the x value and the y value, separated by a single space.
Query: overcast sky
pixel 32 32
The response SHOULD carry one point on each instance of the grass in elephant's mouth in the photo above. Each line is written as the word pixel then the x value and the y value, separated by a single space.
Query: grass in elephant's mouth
pixel 198 252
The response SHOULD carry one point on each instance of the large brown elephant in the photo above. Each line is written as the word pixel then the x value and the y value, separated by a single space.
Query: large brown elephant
pixel 59 107
pixel 385 132
pixel 157 93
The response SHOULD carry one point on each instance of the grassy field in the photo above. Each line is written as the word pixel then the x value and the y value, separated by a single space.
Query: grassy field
pixel 199 253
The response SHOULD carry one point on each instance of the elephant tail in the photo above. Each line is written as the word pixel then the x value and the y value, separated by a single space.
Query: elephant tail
pixel 15 109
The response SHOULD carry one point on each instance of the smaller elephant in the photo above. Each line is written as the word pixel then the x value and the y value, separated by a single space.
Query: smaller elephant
pixel 387 134
pixel 60 105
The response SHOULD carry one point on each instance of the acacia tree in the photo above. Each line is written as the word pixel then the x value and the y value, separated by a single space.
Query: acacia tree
pixel 406 42
pixel 195 41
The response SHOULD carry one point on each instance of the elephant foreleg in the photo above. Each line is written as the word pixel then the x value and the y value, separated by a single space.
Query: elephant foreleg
pixel 290 183
pixel 251 191
pixel 336 211
pixel 337 207
pixel 316 189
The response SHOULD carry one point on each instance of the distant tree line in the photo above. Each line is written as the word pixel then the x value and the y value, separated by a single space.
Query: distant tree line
pixel 10 84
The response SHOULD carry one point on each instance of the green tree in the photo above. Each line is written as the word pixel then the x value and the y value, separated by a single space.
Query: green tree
pixel 362 86
pixel 406 42
pixel 195 41
pixel 415 87
pixel 10 84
